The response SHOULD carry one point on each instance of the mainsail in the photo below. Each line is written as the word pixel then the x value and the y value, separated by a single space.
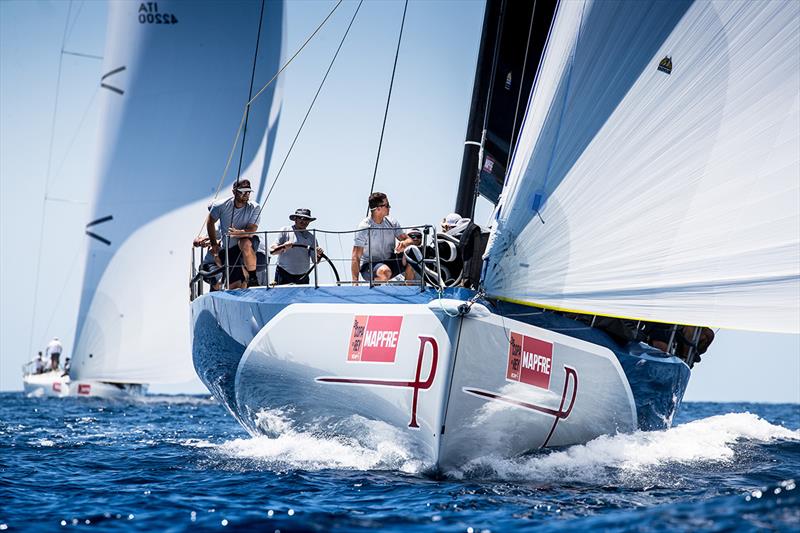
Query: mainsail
pixel 657 175
pixel 178 76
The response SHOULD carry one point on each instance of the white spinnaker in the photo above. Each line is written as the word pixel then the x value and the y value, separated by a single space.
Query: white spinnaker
pixel 684 205
pixel 168 122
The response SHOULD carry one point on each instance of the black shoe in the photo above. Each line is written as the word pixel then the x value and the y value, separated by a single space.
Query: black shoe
pixel 252 281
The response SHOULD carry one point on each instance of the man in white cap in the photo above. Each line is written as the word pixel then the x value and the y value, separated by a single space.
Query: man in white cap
pixel 294 247
pixel 53 351
pixel 238 219
pixel 451 221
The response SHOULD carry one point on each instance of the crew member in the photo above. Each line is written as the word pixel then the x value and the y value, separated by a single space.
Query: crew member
pixel 39 363
pixel 53 351
pixel 374 254
pixel 294 247
pixel 238 219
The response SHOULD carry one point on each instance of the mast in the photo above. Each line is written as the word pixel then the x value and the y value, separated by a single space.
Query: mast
pixel 468 183
pixel 512 40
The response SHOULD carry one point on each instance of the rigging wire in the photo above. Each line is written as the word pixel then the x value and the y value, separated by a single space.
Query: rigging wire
pixel 75 20
pixel 80 54
pixel 47 180
pixel 310 107
pixel 511 147
pixel 253 99
pixel 79 250
pixel 74 137
pixel 250 93
pixel 388 100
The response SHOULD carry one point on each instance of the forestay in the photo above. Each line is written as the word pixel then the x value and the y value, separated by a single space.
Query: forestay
pixel 658 171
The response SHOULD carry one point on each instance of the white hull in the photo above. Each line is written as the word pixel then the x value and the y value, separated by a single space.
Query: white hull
pixel 456 387
pixel 454 412
pixel 54 384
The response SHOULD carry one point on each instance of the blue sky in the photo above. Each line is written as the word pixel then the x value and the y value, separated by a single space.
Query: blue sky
pixel 434 79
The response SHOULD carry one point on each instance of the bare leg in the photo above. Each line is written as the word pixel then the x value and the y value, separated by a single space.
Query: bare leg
pixel 409 275
pixel 246 246
pixel 384 273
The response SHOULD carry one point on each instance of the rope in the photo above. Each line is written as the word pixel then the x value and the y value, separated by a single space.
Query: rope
pixel 308 112
pixel 244 113
pixel 250 93
pixel 388 100
pixel 47 179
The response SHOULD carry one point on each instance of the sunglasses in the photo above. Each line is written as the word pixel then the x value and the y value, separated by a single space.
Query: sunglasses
pixel 302 219
pixel 387 206
pixel 415 236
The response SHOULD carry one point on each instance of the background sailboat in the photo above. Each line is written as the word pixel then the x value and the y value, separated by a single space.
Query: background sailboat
pixel 175 81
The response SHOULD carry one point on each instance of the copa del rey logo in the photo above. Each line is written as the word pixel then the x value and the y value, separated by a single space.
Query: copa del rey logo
pixel 374 338
pixel 529 360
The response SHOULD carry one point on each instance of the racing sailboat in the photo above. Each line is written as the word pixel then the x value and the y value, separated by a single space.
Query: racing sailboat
pixel 176 77
pixel 653 179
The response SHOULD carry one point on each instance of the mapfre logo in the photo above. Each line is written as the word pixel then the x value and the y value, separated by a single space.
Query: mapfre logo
pixel 529 360
pixel 374 338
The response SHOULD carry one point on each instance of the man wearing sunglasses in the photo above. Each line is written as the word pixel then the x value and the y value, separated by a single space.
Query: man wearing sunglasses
pixel 238 218
pixel 294 247
pixel 374 256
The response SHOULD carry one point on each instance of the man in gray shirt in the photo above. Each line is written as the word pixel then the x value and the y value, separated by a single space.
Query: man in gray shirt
pixel 375 243
pixel 238 219
pixel 294 247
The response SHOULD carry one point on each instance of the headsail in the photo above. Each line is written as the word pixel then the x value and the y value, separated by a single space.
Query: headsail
pixel 178 77
pixel 657 175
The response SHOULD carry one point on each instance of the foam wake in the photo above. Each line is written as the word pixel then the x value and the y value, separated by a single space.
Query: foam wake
pixel 642 457
pixel 355 443
pixel 174 399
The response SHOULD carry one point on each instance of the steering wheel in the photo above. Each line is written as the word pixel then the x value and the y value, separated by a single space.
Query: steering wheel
pixel 322 257
pixel 208 275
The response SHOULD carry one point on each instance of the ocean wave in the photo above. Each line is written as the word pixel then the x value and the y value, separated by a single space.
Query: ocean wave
pixel 631 456
pixel 356 444
pixel 174 399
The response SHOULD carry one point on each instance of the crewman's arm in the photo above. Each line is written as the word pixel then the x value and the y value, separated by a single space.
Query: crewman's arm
pixel 355 263
pixel 212 234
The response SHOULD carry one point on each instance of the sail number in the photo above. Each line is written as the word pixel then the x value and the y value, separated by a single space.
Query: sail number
pixel 148 14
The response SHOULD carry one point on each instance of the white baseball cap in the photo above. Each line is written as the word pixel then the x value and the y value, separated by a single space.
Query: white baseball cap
pixel 451 220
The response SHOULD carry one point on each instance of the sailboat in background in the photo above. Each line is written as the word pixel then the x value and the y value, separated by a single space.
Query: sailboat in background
pixel 176 79
pixel 653 177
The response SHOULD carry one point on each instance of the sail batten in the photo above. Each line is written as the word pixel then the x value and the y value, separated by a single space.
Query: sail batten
pixel 666 189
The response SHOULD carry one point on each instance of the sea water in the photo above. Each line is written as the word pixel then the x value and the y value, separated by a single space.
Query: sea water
pixel 174 463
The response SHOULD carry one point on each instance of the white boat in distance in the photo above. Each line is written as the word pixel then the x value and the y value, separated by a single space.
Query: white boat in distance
pixel 58 384
pixel 649 133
